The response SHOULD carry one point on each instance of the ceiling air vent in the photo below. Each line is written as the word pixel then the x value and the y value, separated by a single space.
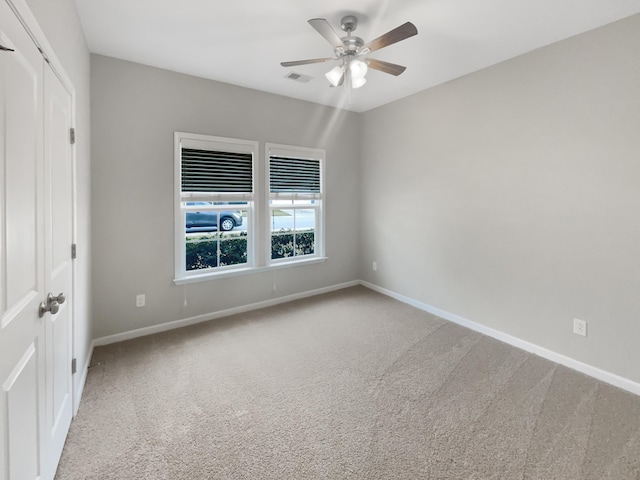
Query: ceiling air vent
pixel 298 77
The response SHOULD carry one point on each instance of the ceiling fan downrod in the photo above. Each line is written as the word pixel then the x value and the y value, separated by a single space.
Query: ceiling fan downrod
pixel 352 44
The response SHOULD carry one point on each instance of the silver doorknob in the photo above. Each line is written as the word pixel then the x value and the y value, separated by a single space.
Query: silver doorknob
pixel 52 307
pixel 60 298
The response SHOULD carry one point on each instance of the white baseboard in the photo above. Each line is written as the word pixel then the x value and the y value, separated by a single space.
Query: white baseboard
pixel 141 332
pixel 608 377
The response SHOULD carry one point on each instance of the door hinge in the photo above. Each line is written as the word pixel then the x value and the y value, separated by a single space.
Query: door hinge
pixel 44 55
pixel 73 366
pixel 74 251
pixel 72 135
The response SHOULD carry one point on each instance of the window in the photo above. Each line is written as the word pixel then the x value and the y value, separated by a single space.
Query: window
pixel 234 215
pixel 295 202
pixel 215 204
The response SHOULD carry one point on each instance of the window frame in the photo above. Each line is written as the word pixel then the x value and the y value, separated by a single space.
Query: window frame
pixel 295 152
pixel 209 142
pixel 258 208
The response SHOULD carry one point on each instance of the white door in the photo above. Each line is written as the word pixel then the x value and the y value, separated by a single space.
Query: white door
pixel 36 207
pixel 22 281
pixel 58 187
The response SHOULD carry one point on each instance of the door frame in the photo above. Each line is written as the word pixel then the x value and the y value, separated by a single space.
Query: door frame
pixel 31 25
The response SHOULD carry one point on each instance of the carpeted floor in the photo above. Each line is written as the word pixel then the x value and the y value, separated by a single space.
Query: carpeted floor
pixel 348 385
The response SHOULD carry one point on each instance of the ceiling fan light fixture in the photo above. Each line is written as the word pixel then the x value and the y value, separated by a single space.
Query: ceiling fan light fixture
pixel 358 82
pixel 358 69
pixel 334 75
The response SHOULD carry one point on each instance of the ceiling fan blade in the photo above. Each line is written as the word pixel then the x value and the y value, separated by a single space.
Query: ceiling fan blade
pixel 305 62
pixel 327 31
pixel 385 67
pixel 398 34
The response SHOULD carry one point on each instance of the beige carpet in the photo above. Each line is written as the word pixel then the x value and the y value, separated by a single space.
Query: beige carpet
pixel 349 385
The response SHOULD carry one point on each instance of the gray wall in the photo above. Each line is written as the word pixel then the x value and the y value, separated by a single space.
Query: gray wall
pixel 508 197
pixel 61 25
pixel 516 192
pixel 135 110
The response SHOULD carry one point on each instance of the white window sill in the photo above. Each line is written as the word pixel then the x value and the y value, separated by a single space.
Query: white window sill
pixel 204 277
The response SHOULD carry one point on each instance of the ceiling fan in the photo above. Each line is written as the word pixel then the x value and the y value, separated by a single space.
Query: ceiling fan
pixel 351 50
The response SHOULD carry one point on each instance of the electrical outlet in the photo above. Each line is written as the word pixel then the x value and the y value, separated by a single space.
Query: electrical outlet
pixel 374 266
pixel 140 300
pixel 580 327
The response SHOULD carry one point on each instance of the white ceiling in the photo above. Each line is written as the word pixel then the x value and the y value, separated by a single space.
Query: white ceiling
pixel 242 42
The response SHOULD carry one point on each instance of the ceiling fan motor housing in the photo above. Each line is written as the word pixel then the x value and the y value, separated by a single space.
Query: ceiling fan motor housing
pixel 352 45
pixel 349 23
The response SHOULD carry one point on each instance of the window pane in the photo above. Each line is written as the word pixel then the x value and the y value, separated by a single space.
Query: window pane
pixel 202 252
pixel 292 232
pixel 281 245
pixel 305 243
pixel 288 243
pixel 215 250
pixel 233 249
pixel 289 218
pixel 205 217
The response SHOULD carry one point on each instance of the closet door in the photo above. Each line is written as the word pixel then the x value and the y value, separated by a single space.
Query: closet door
pixel 22 280
pixel 58 270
